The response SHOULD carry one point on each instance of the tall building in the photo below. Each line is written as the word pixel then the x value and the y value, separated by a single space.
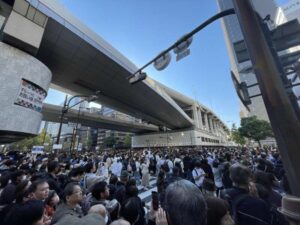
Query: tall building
pixel 232 34
pixel 286 13
pixel 118 135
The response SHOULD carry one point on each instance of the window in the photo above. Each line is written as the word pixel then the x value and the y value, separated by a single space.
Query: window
pixel 21 7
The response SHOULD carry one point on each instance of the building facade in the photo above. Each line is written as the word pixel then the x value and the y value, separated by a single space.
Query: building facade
pixel 232 34
pixel 286 13
pixel 118 136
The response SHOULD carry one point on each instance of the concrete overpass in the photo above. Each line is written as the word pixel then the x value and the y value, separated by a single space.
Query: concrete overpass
pixel 52 113
pixel 58 50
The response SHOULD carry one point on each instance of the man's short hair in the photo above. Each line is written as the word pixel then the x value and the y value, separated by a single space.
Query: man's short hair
pixel 185 204
pixel 52 166
pixel 98 188
pixel 34 185
pixel 69 189
pixel 240 174
pixel 76 172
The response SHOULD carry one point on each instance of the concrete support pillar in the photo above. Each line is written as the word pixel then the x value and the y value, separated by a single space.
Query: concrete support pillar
pixel 200 118
pixel 218 128
pixel 195 115
pixel 213 125
pixel 24 83
pixel 206 121
pixel 210 124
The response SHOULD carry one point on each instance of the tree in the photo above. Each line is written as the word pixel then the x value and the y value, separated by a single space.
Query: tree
pixel 27 143
pixel 255 129
pixel 88 143
pixel 109 142
pixel 236 136
pixel 127 141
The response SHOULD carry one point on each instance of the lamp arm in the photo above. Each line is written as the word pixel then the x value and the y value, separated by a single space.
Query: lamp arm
pixel 186 37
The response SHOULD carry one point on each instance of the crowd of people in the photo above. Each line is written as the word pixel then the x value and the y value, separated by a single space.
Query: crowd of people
pixel 194 185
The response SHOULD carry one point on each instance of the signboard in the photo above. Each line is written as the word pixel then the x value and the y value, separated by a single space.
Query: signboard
pixel 183 54
pixel 37 149
pixel 70 124
pixel 162 62
pixel 30 96
pixel 57 146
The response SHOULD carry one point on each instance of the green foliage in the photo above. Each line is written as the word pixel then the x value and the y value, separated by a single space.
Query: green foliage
pixel 255 129
pixel 27 143
pixel 109 142
pixel 236 136
pixel 88 143
pixel 127 141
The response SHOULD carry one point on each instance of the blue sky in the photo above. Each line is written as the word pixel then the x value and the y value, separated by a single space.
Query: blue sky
pixel 141 29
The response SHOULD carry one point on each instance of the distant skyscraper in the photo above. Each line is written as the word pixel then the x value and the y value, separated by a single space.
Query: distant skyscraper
pixel 288 12
pixel 232 34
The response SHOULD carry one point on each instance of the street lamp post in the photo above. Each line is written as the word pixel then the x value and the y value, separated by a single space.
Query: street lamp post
pixel 66 107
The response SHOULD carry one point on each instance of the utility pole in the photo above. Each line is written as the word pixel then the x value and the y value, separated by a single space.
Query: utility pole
pixel 61 119
pixel 269 75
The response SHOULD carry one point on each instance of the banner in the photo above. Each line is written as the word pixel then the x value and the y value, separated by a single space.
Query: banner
pixel 37 150
pixel 30 96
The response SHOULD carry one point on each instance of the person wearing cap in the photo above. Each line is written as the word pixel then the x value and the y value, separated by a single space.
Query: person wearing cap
pixel 120 193
pixel 291 209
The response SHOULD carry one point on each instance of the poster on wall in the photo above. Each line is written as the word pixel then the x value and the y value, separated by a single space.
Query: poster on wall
pixel 30 96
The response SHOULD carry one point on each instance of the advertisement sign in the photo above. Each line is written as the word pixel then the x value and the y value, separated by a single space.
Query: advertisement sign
pixel 57 146
pixel 30 96
pixel 37 150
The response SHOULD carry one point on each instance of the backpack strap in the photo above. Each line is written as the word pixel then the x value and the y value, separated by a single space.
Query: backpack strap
pixel 196 171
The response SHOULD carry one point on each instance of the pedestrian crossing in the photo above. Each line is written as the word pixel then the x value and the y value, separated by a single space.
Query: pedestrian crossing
pixel 145 195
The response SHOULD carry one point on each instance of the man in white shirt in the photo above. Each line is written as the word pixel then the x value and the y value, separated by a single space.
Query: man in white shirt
pixel 198 174
pixel 114 167
pixel 170 163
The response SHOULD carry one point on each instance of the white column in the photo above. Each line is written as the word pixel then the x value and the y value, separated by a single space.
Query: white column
pixel 210 123
pixel 195 115
pixel 200 118
pixel 206 121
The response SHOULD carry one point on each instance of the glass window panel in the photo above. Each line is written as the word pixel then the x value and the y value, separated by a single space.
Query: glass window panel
pixel 21 7
pixel 30 13
pixel 39 18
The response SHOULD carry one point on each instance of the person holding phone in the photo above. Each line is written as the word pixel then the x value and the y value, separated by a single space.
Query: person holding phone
pixel 198 174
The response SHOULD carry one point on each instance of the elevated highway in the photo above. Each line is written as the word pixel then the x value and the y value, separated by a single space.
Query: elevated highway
pixel 85 118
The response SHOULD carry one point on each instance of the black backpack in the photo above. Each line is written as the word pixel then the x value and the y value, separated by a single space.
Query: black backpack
pixel 237 216
pixel 133 166
pixel 166 167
